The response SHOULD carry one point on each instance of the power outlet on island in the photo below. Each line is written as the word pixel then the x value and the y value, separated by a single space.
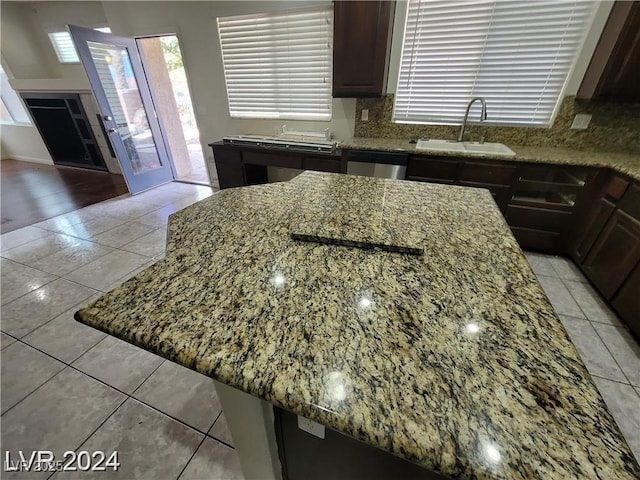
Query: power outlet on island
pixel 309 426
pixel 581 121
pixel 365 114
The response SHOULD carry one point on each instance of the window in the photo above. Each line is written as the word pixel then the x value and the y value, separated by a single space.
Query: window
pixel 515 54
pixel 64 47
pixel 278 65
pixel 12 109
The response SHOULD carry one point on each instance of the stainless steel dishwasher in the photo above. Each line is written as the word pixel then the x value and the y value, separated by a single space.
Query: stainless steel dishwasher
pixel 377 164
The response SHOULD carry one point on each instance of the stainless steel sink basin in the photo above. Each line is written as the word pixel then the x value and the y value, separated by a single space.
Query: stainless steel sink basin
pixel 468 148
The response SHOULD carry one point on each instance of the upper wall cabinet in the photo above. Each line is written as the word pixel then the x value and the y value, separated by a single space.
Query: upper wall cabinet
pixel 613 71
pixel 361 47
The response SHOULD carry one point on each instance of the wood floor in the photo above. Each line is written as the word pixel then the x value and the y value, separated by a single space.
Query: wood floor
pixel 32 192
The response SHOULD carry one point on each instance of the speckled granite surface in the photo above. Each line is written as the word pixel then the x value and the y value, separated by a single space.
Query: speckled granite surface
pixel 614 126
pixel 452 359
pixel 376 217
pixel 627 163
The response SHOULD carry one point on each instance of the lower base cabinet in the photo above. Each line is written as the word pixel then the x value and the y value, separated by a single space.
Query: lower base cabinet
pixel 627 302
pixel 304 456
pixel 614 254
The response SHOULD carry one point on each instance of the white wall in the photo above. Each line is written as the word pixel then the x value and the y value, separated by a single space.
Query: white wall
pixel 23 142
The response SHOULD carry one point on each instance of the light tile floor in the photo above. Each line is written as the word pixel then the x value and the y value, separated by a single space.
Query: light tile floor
pixel 66 386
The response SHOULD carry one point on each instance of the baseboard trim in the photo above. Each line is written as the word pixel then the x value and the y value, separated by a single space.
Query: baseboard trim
pixel 22 158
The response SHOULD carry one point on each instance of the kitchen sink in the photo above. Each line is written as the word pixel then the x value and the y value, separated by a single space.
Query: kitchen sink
pixel 468 148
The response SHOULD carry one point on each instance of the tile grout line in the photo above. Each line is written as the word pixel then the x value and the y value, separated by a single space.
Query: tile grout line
pixel 598 335
pixel 191 457
pixel 112 387
pixel 613 356
pixel 95 430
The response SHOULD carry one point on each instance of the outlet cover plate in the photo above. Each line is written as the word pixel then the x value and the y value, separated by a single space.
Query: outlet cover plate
pixel 309 426
pixel 365 114
pixel 581 121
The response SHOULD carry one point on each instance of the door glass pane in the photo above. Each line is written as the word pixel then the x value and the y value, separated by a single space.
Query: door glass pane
pixel 116 74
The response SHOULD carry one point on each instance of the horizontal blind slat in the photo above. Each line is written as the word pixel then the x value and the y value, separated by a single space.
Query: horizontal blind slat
pixel 517 55
pixel 278 65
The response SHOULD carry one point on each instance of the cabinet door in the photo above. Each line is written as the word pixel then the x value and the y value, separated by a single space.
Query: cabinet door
pixel 627 301
pixel 361 47
pixel 596 221
pixel 615 253
pixel 229 167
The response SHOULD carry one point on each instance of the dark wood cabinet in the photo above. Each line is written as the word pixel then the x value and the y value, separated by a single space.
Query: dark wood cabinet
pixel 423 168
pixel 361 47
pixel 614 254
pixel 613 71
pixel 608 190
pixel 596 221
pixel 229 167
pixel 627 301
pixel 244 165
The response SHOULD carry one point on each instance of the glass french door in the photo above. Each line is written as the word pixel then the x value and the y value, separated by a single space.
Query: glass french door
pixel 119 84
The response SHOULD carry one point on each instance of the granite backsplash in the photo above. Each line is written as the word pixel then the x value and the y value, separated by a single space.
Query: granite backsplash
pixel 613 127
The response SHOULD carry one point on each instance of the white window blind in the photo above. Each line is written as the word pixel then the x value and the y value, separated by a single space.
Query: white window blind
pixel 515 54
pixel 278 65
pixel 63 45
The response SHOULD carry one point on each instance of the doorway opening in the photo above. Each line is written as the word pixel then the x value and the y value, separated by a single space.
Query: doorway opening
pixel 168 80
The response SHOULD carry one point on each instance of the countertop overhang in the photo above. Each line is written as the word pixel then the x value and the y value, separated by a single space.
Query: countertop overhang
pixel 453 359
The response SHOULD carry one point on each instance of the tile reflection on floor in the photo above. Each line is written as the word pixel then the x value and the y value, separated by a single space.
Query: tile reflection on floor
pixel 66 386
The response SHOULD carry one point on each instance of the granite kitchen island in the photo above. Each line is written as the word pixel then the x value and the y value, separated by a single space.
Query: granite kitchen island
pixel 401 314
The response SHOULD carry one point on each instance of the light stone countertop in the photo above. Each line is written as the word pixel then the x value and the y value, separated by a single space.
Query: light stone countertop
pixel 452 359
pixel 626 163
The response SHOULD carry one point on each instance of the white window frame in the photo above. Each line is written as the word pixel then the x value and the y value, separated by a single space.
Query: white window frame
pixel 279 65
pixel 471 49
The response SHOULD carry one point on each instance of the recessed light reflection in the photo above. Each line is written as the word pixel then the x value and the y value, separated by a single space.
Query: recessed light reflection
pixel 472 328
pixel 492 453
pixel 335 384
pixel 278 280
pixel 365 302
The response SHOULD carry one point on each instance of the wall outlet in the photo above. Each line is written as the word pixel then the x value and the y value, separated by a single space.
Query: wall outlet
pixel 311 427
pixel 365 114
pixel 581 121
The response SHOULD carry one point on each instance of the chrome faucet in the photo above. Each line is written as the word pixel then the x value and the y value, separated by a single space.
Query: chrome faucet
pixel 483 115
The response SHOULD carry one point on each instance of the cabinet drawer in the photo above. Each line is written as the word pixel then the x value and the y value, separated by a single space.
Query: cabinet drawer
pixel 487 173
pixel 537 218
pixel 321 164
pixel 272 159
pixel 547 242
pixel 438 170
